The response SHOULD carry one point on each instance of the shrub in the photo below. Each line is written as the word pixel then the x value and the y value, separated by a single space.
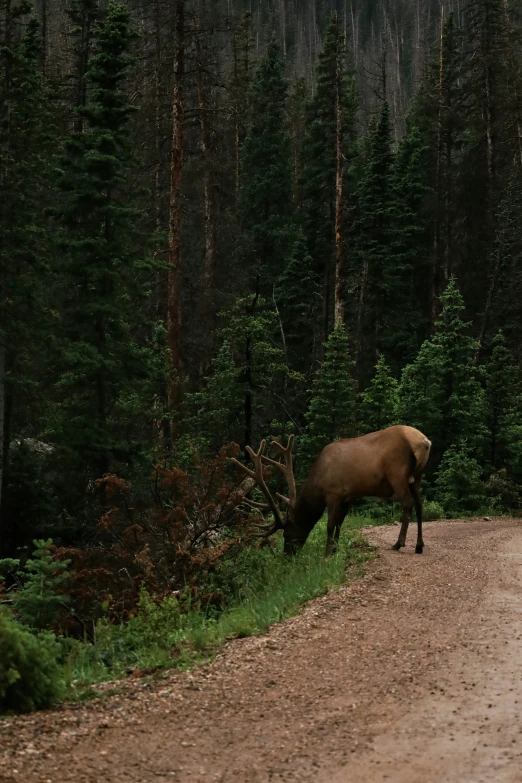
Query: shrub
pixel 459 484
pixel 38 603
pixel 31 675
pixel 432 510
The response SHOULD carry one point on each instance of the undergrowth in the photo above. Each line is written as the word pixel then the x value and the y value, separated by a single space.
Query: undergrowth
pixel 259 586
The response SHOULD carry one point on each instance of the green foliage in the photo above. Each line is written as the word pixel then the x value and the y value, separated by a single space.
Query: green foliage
pixel 378 404
pixel 320 146
pixel 249 330
pixel 459 484
pixel 38 602
pixel 331 413
pixel 31 675
pixel 266 192
pixel 440 392
pixel 215 412
pixel 298 304
pixel 260 587
pixel 105 373
pixel 503 405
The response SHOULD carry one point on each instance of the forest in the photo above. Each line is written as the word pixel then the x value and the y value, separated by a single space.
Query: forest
pixel 229 220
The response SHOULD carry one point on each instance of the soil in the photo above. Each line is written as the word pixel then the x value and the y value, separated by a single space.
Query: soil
pixel 413 673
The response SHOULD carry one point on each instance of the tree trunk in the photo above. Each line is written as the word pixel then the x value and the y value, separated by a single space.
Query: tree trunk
pixel 2 442
pixel 174 276
pixel 338 296
pixel 436 266
pixel 209 226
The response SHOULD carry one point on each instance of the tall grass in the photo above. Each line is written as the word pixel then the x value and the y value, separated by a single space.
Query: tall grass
pixel 261 587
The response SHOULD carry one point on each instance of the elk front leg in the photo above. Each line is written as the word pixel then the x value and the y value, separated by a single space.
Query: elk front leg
pixel 336 514
pixel 407 507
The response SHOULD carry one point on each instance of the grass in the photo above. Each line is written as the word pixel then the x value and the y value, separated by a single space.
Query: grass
pixel 261 587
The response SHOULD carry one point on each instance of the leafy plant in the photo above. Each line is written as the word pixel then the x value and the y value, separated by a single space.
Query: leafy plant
pixel 38 602
pixel 31 674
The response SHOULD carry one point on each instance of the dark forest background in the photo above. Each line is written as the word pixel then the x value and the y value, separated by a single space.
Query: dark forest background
pixel 223 220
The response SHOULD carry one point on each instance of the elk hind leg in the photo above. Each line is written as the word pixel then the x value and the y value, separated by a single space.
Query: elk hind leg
pixel 407 503
pixel 415 494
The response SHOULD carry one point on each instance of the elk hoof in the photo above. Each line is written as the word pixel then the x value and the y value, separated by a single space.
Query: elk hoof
pixel 418 549
pixel 396 546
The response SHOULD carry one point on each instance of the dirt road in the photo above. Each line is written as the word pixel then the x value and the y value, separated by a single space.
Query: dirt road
pixel 413 674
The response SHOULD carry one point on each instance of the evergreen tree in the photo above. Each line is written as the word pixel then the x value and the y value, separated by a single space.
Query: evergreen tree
pixel 26 166
pixel 378 406
pixel 502 393
pixel 320 162
pixel 458 484
pixel 298 303
pixel 331 413
pixel 259 361
pixel 373 242
pixel 38 602
pixel 215 412
pixel 440 392
pixel 266 189
pixel 102 367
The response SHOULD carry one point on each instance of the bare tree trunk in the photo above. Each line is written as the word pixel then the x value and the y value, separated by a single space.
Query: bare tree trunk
pixel 435 277
pixel 2 436
pixel 512 57
pixel 338 296
pixel 174 276
pixel 207 296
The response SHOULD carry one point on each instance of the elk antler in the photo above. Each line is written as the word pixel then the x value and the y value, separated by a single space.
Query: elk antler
pixel 257 474
pixel 286 468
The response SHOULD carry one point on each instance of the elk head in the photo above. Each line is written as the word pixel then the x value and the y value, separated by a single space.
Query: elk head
pixel 283 522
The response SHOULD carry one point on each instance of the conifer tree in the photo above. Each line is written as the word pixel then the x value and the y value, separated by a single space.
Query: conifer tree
pixel 38 602
pixel 458 484
pixel 373 242
pixel 331 412
pixel 502 402
pixel 26 165
pixel 440 392
pixel 266 183
pixel 335 84
pixel 215 412
pixel 102 366
pixel 378 406
pixel 298 303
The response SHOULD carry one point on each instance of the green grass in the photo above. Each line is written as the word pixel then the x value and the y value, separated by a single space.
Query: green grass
pixel 261 587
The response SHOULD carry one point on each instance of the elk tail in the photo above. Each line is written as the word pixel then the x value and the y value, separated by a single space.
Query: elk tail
pixel 420 455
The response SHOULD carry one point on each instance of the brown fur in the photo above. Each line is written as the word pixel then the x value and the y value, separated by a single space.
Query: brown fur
pixel 380 464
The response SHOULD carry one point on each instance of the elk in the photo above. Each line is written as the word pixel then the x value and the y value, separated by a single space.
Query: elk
pixel 381 464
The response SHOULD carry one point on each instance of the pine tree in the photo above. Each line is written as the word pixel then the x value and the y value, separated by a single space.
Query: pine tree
pixel 298 304
pixel 103 369
pixel 440 392
pixel 503 403
pixel 335 85
pixel 458 484
pixel 373 242
pixel 378 405
pixel 38 602
pixel 26 167
pixel 266 189
pixel 331 413
pixel 215 412
pixel 260 363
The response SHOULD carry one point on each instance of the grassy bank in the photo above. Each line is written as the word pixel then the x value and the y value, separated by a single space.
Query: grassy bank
pixel 259 587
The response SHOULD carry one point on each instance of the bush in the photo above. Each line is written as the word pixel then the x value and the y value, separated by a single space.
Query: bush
pixel 459 484
pixel 502 491
pixel 38 602
pixel 31 675
pixel 432 510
